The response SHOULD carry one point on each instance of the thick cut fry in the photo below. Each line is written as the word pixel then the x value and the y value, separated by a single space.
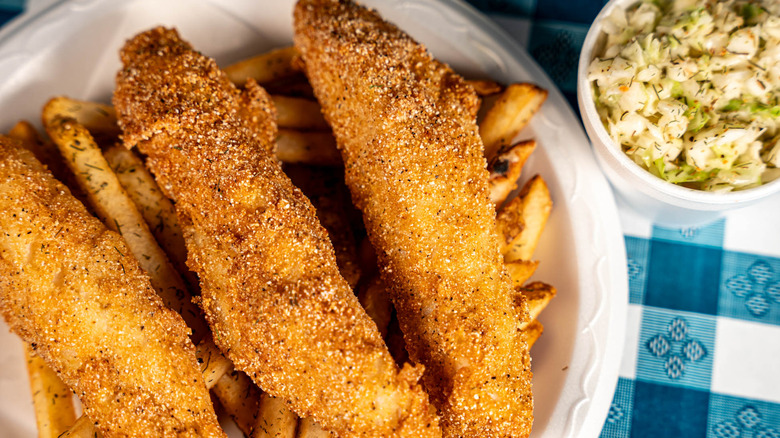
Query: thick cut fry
pixel 107 334
pixel 213 365
pixel 521 221
pixel 505 169
pixel 532 332
pixel 298 113
pixel 485 87
pixel 509 115
pixel 275 420
pixel 521 270
pixel 405 124
pixel 276 64
pixel 316 148
pixel 157 210
pixel 271 288
pixel 240 398
pixel 98 118
pixel 52 399
pixel 537 295
pixel 308 428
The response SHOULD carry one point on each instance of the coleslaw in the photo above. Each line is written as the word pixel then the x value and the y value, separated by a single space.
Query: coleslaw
pixel 691 90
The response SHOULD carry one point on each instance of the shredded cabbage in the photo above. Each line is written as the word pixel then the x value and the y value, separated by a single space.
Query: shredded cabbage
pixel 691 90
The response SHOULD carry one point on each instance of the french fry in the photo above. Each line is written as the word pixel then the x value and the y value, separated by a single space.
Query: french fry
pixel 82 428
pixel 157 210
pixel 521 221
pixel 267 67
pixel 117 211
pixel 98 118
pixel 308 428
pixel 52 399
pixel 505 169
pixel 532 332
pixel 521 270
pixel 509 115
pixel 299 113
pixel 240 399
pixel 537 295
pixel 317 148
pixel 213 364
pixel 375 299
pixel 485 87
pixel 275 420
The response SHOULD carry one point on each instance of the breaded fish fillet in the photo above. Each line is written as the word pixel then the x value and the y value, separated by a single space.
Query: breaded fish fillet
pixel 406 126
pixel 70 288
pixel 271 288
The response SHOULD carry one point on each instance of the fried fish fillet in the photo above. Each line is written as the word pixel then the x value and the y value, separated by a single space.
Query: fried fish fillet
pixel 70 288
pixel 406 126
pixel 271 288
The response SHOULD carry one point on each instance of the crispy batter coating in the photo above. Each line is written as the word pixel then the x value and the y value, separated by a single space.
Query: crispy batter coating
pixel 414 162
pixel 270 284
pixel 71 288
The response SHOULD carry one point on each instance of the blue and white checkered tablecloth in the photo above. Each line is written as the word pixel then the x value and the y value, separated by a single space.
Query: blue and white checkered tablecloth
pixel 702 349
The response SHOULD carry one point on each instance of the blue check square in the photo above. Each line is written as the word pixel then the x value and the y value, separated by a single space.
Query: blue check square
pixel 676 348
pixel 750 288
pixel 734 417
pixel 683 277
pixel 618 422
pixel 668 411
pixel 637 254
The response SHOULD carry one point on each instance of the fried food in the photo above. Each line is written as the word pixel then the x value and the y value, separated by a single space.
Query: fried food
pixel 240 399
pixel 509 115
pixel 270 284
pixel 522 220
pixel 52 399
pixel 108 335
pixel 406 126
pixel 505 169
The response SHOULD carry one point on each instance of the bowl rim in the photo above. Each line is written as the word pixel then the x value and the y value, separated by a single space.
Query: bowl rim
pixel 601 141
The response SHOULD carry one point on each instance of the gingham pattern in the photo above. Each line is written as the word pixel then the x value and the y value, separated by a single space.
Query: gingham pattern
pixel 702 351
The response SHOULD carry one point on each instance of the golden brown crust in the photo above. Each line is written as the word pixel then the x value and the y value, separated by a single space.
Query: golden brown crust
pixel 414 162
pixel 271 289
pixel 70 287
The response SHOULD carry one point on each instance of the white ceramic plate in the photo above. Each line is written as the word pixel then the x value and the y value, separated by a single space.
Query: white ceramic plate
pixel 71 49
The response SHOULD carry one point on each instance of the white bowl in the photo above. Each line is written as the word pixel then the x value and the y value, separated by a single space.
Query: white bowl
pixel 661 201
